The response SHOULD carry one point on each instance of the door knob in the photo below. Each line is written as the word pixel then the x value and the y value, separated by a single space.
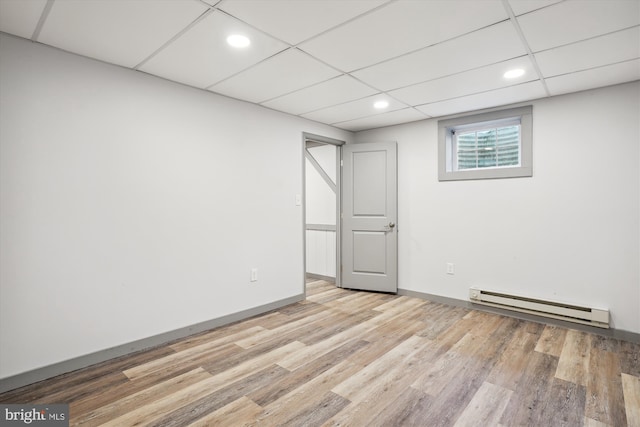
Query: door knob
pixel 392 224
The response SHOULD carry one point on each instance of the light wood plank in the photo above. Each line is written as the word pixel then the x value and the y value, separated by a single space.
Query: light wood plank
pixel 84 383
pixel 127 404
pixel 305 397
pixel 484 324
pixel 337 323
pixel 301 309
pixel 446 368
pixel 376 398
pixel 359 331
pixel 508 371
pixel 390 323
pixel 358 301
pixel 442 371
pixel 400 303
pixel 314 415
pixel 149 413
pixel 451 335
pixel 552 340
pixel 588 422
pixel 190 355
pixel 199 408
pixel 144 415
pixel 239 413
pixel 253 365
pixel 472 365
pixel 307 372
pixel 631 389
pixel 527 404
pixel 317 286
pixel 260 337
pixel 303 356
pixel 265 321
pixel 386 337
pixel 96 400
pixel 605 400
pixel 408 409
pixel 438 318
pixel 486 407
pixel 573 365
pixel 381 372
pixel 178 365
pixel 327 295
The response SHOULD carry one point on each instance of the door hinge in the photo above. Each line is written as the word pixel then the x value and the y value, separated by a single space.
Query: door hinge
pixel 341 163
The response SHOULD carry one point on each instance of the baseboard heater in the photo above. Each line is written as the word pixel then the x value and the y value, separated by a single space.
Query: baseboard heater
pixel 556 310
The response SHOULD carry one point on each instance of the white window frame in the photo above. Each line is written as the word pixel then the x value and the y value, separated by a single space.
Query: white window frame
pixel 447 162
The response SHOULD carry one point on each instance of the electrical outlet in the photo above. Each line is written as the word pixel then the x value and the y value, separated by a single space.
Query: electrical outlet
pixel 450 269
pixel 254 274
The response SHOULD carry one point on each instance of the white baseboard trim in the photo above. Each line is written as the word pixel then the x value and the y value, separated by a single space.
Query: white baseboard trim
pixel 611 332
pixel 80 362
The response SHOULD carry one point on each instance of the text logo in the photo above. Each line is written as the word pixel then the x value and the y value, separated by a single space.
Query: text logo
pixel 34 415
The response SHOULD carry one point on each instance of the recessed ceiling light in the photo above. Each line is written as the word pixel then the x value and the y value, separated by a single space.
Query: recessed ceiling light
pixel 512 74
pixel 238 40
pixel 381 104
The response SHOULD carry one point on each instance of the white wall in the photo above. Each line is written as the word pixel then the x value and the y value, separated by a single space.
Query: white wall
pixel 321 209
pixel 321 252
pixel 570 233
pixel 320 198
pixel 131 206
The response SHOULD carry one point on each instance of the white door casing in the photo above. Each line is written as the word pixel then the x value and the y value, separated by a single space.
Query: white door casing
pixel 369 231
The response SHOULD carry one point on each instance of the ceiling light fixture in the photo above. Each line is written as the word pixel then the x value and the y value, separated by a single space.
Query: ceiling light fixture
pixel 238 40
pixel 381 104
pixel 512 74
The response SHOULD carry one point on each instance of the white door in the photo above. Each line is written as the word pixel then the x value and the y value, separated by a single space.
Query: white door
pixel 369 215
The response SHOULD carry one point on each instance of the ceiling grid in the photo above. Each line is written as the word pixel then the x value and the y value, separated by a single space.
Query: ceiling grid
pixel 523 39
pixel 331 60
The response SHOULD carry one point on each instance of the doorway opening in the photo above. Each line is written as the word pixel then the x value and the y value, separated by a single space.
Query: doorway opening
pixel 321 208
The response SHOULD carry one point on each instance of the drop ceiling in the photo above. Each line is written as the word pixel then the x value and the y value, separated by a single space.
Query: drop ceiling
pixel 330 60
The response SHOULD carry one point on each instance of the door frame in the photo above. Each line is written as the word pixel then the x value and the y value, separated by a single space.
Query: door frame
pixel 306 136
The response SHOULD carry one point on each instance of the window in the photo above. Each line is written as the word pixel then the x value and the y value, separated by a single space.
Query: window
pixel 488 145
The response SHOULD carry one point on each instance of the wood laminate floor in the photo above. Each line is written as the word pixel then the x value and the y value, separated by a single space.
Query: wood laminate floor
pixel 346 358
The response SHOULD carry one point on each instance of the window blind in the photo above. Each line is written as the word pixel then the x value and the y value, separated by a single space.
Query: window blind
pixel 488 147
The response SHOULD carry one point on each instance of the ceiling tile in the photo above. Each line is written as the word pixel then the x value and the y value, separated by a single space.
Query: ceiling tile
pixel 596 77
pixel 466 83
pixel 520 7
pixel 483 47
pixel 354 110
pixel 401 27
pixel 405 115
pixel 296 21
pixel 202 57
pixel 616 47
pixel 278 75
pixel 335 91
pixel 571 21
pixel 20 17
pixel 120 32
pixel 494 98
